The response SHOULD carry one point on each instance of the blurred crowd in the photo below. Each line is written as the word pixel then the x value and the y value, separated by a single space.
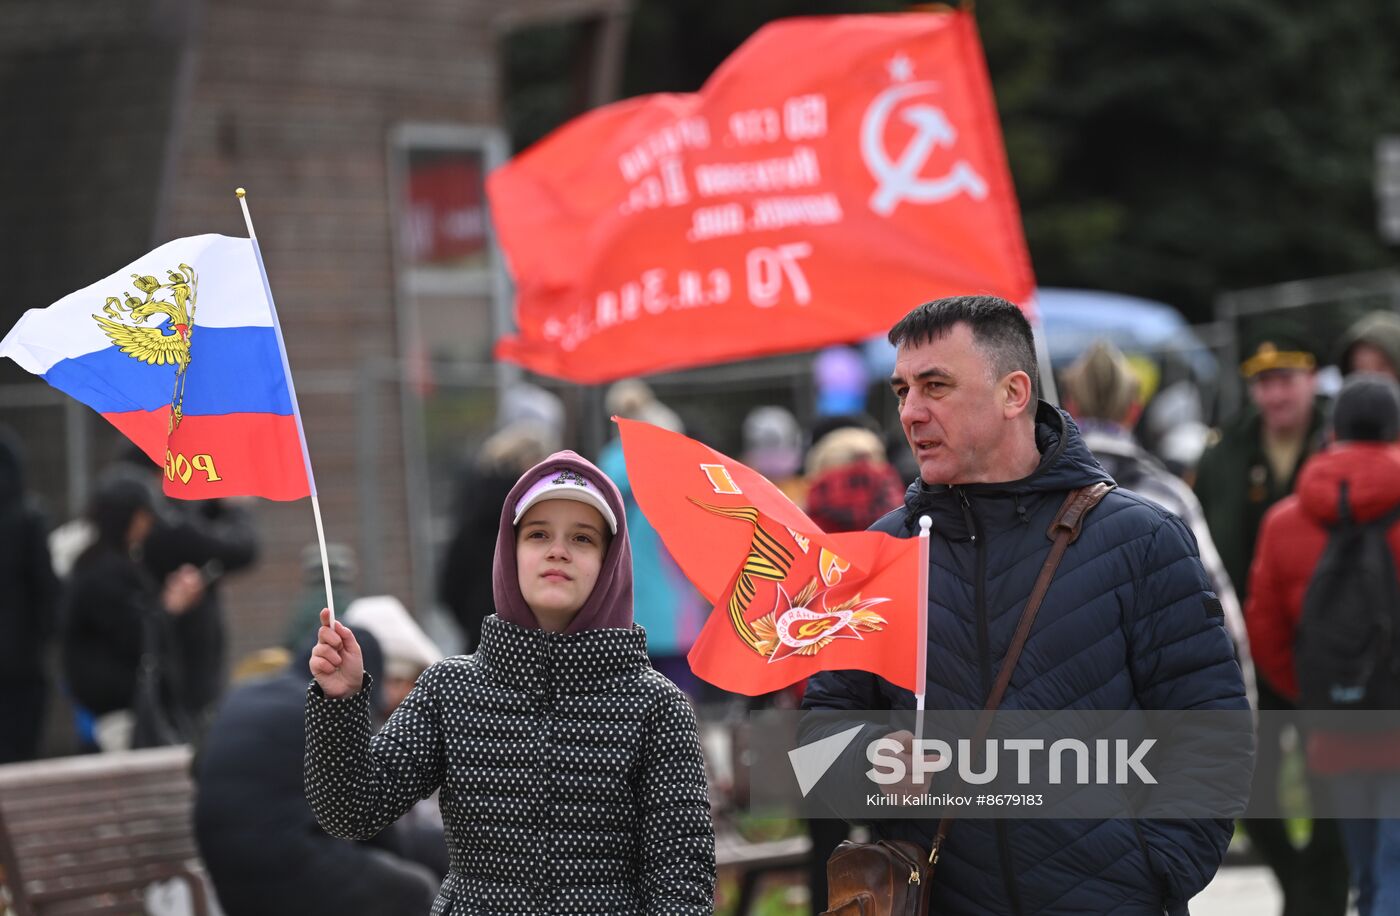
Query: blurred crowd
pixel 120 612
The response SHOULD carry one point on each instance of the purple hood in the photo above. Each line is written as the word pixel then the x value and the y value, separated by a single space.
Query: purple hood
pixel 610 604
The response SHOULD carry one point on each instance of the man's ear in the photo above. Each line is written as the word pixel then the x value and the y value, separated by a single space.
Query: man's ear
pixel 1015 392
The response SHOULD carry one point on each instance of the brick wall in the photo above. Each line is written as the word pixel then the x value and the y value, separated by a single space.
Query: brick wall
pixel 130 122
pixel 295 101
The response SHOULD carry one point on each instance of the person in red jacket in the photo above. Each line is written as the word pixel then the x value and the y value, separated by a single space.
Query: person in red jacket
pixel 1365 455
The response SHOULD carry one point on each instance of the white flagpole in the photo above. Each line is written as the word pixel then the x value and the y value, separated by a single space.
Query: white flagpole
pixel 296 408
pixel 921 647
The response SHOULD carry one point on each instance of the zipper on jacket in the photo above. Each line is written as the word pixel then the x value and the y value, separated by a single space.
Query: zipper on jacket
pixel 1007 866
pixel 984 663
pixel 984 652
pixel 1162 887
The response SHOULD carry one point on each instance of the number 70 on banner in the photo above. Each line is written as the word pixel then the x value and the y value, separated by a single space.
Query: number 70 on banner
pixel 769 269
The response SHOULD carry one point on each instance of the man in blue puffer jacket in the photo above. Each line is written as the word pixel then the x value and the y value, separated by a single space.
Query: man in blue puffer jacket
pixel 1129 623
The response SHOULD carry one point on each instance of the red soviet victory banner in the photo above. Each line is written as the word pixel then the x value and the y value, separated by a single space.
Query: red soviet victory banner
pixel 831 174
pixel 789 599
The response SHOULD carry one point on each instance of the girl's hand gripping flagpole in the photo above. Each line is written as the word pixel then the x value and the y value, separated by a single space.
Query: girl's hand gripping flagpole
pixel 296 408
pixel 921 643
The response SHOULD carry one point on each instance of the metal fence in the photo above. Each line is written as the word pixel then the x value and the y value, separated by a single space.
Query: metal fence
pixel 1322 307
pixel 56 433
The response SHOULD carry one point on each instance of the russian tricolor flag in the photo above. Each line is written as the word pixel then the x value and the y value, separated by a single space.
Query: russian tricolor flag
pixel 182 352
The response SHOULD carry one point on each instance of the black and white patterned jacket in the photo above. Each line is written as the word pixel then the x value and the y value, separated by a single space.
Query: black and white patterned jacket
pixel 571 775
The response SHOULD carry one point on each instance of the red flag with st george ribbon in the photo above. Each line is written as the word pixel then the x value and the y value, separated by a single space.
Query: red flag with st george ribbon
pixel 830 175
pixel 790 600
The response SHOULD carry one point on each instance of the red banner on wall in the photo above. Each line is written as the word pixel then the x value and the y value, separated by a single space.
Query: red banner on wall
pixel 444 220
pixel 832 173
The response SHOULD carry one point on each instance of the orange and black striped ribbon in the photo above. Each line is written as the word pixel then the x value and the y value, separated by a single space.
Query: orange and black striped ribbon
pixel 768 559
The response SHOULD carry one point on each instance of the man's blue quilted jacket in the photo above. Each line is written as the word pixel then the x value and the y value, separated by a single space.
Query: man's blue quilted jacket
pixel 1129 623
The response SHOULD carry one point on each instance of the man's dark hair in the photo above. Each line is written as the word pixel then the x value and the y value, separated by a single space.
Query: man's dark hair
pixel 999 328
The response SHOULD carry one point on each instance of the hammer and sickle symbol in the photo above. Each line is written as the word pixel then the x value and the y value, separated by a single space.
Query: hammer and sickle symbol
pixel 899 179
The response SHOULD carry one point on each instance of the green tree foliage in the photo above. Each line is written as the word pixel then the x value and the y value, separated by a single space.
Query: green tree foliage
pixel 1175 150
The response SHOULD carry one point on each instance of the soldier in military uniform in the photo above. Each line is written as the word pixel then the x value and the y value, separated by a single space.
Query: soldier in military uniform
pixel 1251 464
pixel 1252 460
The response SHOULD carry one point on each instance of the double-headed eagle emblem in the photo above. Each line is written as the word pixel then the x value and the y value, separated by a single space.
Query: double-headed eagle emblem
pixel 167 342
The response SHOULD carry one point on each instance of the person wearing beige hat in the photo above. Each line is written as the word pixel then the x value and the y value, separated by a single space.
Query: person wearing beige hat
pixel 1102 394
pixel 842 446
pixel 1372 344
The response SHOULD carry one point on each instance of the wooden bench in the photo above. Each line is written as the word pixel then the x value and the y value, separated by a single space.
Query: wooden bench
pixel 91 834
pixel 755 859
pixel 728 762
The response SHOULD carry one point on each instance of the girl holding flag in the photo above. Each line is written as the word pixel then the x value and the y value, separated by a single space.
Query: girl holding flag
pixel 570 772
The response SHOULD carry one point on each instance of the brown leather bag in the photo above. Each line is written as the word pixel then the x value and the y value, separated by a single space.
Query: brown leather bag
pixel 887 878
pixel 895 877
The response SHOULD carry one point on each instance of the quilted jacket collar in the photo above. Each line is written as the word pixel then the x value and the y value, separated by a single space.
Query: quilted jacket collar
pixel 533 661
pixel 1065 464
